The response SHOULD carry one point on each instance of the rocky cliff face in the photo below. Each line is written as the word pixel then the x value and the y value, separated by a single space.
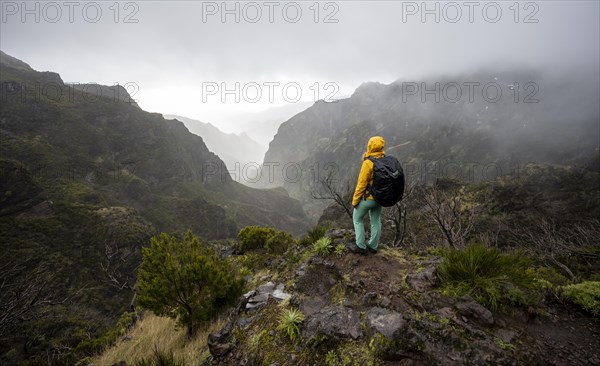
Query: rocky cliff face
pixel 480 126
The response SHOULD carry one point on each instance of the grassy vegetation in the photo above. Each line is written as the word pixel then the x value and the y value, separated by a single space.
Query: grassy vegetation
pixel 322 247
pixel 159 333
pixel 289 321
pixel 491 277
pixel 585 294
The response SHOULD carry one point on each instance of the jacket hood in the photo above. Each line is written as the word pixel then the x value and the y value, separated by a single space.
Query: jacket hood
pixel 375 147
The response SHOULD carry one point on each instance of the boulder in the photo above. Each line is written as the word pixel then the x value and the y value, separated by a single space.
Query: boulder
pixel 388 323
pixel 471 309
pixel 317 278
pixel 423 280
pixel 218 342
pixel 266 288
pixel 334 322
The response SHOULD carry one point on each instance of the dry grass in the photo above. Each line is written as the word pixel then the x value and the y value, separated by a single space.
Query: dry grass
pixel 161 333
pixel 394 254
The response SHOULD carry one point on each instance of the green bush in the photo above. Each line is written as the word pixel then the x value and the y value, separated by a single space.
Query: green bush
pixel 279 242
pixel 585 294
pixel 322 247
pixel 289 321
pixel 491 277
pixel 264 238
pixel 254 237
pixel 185 280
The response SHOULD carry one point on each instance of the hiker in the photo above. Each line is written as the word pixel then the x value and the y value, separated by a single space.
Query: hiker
pixel 363 201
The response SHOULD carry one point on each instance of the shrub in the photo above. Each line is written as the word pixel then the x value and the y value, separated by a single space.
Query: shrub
pixel 279 242
pixel 254 237
pixel 289 321
pixel 266 238
pixel 585 294
pixel 185 280
pixel 491 277
pixel 322 247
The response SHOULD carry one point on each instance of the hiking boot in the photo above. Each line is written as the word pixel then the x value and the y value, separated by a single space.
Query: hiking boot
pixel 371 250
pixel 356 249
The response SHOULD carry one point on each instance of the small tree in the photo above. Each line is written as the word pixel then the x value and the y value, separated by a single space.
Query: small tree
pixel 185 280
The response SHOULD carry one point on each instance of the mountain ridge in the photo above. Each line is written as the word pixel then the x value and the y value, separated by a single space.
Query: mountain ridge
pixel 537 118
pixel 86 181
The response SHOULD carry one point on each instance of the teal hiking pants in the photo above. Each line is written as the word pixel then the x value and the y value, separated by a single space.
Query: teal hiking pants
pixel 358 216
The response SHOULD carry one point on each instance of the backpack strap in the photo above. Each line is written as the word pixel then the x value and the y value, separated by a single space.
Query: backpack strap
pixel 369 186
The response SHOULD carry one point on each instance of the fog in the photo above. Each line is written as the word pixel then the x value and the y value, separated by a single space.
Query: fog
pixel 195 58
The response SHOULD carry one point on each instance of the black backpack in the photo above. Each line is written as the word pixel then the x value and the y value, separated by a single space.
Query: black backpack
pixel 388 181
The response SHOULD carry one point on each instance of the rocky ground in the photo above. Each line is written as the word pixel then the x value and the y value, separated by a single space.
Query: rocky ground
pixel 387 309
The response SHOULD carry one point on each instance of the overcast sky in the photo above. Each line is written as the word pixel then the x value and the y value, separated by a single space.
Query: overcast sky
pixel 181 54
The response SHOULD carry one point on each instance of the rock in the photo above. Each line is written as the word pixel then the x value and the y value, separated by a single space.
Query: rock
pixel 320 261
pixel 385 302
pixel 470 308
pixel 218 342
pixel 388 323
pixel 448 313
pixel 310 305
pixel 258 298
pixel 280 295
pixel 241 305
pixel 301 271
pixel 317 278
pixel 423 280
pixel 249 294
pixel 369 298
pixel 250 306
pixel 338 233
pixel 266 288
pixel 336 322
pixel 244 322
pixel 507 335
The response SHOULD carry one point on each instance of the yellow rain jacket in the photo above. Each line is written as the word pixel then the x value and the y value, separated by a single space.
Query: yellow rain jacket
pixel 365 178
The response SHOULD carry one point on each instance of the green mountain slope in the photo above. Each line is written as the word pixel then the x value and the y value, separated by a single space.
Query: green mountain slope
pixel 86 180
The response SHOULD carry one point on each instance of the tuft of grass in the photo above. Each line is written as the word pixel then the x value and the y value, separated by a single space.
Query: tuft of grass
pixel 160 358
pixel 507 346
pixel 313 235
pixel 289 321
pixel 316 233
pixel 585 294
pixel 322 247
pixel 340 250
pixel 491 277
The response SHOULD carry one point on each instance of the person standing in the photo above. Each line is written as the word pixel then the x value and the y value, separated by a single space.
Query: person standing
pixel 363 201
